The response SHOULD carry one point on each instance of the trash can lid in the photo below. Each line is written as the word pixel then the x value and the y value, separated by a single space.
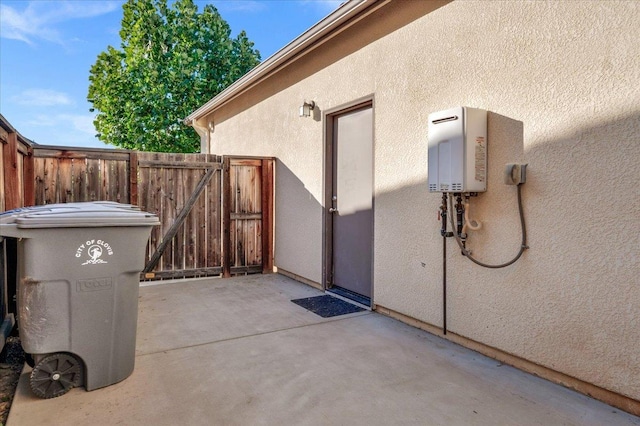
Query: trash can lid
pixel 94 214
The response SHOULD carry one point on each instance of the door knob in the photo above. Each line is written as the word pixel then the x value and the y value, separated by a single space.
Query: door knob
pixel 332 210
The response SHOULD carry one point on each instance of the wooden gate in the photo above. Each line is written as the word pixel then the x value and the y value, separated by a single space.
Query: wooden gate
pixel 185 191
pixel 247 220
pixel 215 212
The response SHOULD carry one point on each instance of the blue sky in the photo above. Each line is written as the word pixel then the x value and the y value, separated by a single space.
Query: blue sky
pixel 48 47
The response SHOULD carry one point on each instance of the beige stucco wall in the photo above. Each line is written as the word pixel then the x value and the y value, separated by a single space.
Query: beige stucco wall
pixel 561 83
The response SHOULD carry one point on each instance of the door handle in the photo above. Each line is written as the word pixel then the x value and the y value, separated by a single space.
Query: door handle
pixel 332 210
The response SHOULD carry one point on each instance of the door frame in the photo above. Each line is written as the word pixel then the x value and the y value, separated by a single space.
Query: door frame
pixel 329 116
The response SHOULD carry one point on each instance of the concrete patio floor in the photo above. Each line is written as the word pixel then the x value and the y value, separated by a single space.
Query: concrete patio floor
pixel 238 352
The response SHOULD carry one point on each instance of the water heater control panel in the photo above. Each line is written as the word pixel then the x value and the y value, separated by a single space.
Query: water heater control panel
pixel 457 150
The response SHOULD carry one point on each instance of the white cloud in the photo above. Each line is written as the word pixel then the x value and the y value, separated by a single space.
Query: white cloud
pixel 42 97
pixel 64 123
pixel 73 130
pixel 12 24
pixel 81 123
pixel 39 20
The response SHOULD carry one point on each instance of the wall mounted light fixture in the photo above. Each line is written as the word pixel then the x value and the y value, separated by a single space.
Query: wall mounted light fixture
pixel 307 108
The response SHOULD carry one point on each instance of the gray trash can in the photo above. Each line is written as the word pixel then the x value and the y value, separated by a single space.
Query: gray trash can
pixel 77 296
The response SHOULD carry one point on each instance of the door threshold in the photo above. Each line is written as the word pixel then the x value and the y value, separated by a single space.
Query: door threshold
pixel 349 296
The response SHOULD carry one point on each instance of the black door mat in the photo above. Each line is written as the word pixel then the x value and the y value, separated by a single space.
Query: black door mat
pixel 327 306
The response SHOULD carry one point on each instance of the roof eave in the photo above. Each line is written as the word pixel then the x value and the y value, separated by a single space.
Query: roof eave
pixel 343 14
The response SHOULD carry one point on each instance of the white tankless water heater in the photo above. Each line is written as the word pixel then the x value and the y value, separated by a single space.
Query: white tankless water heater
pixel 458 150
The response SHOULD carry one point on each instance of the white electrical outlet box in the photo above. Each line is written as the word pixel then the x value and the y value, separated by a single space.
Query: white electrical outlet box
pixel 458 150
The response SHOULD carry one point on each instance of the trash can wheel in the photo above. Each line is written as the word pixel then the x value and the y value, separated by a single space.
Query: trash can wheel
pixel 56 374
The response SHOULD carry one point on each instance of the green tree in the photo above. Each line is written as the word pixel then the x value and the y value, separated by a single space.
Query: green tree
pixel 171 61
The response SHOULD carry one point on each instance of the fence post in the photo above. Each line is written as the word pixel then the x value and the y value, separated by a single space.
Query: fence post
pixel 29 178
pixel 226 218
pixel 133 178
pixel 11 179
pixel 267 216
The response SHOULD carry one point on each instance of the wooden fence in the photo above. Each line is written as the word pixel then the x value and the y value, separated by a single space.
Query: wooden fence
pixel 215 212
pixel 16 169
pixel 67 175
